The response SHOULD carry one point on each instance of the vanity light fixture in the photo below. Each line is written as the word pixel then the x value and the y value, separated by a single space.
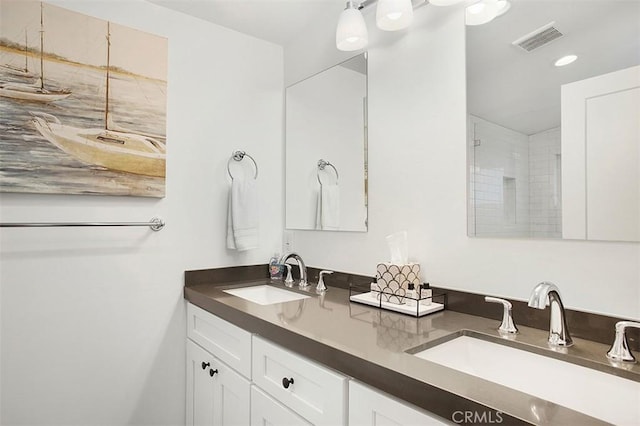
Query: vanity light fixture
pixel 351 33
pixel 391 15
pixel 503 7
pixel 394 15
pixel 565 60
pixel 481 12
pixel 444 2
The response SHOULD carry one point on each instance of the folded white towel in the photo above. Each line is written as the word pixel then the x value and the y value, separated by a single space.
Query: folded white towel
pixel 328 210
pixel 242 215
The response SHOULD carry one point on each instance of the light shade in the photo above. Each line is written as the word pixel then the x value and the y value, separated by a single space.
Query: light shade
pixel 351 33
pixel 481 12
pixel 394 15
pixel 565 60
pixel 503 7
pixel 444 2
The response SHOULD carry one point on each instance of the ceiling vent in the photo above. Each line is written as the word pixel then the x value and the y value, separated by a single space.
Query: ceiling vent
pixel 538 38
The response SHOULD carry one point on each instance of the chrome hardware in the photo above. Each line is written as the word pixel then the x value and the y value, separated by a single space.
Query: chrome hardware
pixel 544 293
pixel 239 156
pixel 321 288
pixel 620 348
pixel 301 266
pixel 289 280
pixel 507 325
pixel 322 164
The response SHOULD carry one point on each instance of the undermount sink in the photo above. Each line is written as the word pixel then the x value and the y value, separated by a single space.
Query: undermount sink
pixel 597 394
pixel 265 294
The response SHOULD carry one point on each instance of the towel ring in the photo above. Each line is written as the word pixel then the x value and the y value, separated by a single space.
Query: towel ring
pixel 322 164
pixel 239 156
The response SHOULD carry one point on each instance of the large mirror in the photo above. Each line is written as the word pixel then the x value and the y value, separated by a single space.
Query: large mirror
pixel 326 149
pixel 554 151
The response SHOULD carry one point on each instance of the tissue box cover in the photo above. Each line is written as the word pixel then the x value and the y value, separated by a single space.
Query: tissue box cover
pixel 395 276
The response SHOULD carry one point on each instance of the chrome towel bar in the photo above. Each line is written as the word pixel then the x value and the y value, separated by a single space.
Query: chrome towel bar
pixel 156 224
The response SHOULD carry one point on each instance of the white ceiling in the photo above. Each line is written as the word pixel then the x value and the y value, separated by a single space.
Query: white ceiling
pixel 277 21
pixel 505 85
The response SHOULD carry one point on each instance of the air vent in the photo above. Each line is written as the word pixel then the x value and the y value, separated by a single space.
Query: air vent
pixel 538 38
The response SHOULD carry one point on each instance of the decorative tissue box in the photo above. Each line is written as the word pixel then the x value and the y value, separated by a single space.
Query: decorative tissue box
pixel 394 279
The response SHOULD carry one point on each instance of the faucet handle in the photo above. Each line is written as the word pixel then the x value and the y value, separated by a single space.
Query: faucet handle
pixel 289 280
pixel 620 348
pixel 320 288
pixel 507 325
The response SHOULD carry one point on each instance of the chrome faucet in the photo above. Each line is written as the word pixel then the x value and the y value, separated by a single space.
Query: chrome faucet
pixel 620 349
pixel 558 330
pixel 301 267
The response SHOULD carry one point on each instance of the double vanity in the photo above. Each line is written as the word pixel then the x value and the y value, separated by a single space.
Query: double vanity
pixel 260 352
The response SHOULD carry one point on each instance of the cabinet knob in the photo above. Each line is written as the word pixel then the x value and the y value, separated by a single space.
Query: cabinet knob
pixel 212 371
pixel 205 365
pixel 286 382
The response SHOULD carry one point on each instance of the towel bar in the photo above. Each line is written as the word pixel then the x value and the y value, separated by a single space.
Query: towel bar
pixel 155 224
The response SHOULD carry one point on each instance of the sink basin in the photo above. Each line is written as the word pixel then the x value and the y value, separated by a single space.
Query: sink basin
pixel 597 394
pixel 265 294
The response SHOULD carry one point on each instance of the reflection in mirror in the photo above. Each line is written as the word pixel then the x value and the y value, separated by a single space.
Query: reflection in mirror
pixel 517 165
pixel 326 147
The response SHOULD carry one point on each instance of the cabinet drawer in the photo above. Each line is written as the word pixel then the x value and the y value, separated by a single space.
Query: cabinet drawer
pixel 370 407
pixel 316 393
pixel 231 344
pixel 267 411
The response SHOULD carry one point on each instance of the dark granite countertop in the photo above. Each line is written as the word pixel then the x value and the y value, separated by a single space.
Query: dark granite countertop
pixel 370 345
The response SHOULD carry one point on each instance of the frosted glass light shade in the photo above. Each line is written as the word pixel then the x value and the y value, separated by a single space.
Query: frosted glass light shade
pixel 394 15
pixel 503 7
pixel 351 33
pixel 444 2
pixel 482 12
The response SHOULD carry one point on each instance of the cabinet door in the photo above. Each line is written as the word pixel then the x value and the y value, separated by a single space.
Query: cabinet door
pixel 200 389
pixel 267 411
pixel 368 407
pixel 216 395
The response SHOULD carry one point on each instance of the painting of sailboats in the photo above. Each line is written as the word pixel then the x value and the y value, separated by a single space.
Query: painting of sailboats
pixel 82 104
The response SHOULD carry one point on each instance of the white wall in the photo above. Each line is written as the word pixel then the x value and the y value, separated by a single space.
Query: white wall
pixel 417 172
pixel 93 322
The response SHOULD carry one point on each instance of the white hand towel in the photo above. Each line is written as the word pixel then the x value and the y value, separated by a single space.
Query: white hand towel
pixel 242 215
pixel 328 214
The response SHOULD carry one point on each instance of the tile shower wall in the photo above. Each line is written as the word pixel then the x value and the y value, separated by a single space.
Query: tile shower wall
pixel 499 180
pixel 545 190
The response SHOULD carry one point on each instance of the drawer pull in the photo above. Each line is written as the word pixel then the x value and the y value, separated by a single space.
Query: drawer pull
pixel 286 382
pixel 205 365
pixel 212 371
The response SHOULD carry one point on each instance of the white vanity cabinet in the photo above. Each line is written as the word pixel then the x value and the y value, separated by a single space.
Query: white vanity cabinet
pixel 236 378
pixel 369 407
pixel 313 391
pixel 218 371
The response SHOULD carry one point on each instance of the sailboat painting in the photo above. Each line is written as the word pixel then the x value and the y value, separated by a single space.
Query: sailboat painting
pixel 82 104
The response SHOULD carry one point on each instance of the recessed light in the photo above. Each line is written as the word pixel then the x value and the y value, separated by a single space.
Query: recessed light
pixel 565 60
